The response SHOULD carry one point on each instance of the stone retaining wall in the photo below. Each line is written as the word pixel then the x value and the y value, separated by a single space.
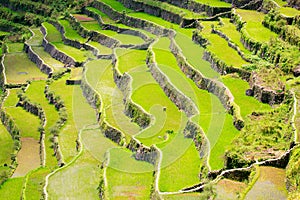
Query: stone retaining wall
pixel 215 87
pixel 180 100
pixel 130 21
pixel 55 53
pixel 37 60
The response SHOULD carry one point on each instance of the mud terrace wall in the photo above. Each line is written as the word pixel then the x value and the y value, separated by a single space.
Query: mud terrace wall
pixel 215 87
pixel 130 21
pixel 143 153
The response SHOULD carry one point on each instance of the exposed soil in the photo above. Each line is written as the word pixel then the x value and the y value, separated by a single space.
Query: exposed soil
pixel 270 185
pixel 28 157
pixel 228 189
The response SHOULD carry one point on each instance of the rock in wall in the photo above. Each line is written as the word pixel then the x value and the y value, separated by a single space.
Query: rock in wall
pixel 215 87
pixel 94 99
pixel 132 110
pixel 263 94
pixel 142 152
pixel 37 60
pixel 179 99
pixel 55 53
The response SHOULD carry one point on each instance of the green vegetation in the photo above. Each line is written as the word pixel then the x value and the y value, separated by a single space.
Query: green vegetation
pixel 173 9
pixel 265 135
pixel 214 3
pixel 54 64
pixel 19 69
pixel 35 93
pixel 101 79
pixel 6 144
pixel 291 173
pixel 35 183
pixel 127 177
pixel 77 160
pixel 15 47
pixel 122 37
pixel 254 26
pixel 36 38
pixel 12 189
pixel 238 88
pixel 70 33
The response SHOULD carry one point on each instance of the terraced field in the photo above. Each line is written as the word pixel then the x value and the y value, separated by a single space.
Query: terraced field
pixel 130 99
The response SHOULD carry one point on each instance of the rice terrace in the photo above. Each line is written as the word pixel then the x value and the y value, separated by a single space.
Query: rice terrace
pixel 153 99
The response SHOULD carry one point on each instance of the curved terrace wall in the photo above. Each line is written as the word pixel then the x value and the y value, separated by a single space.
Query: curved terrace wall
pixel 217 64
pixel 153 10
pixel 215 87
pixel 198 7
pixel 130 21
pixel 115 28
pixel 180 100
pixel 37 60
pixel 132 110
pixel 55 53
pixel 92 35
pixel 38 111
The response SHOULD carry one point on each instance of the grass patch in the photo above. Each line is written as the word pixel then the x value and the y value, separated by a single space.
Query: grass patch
pixel 254 25
pixel 78 54
pixel 102 49
pixel 68 134
pixel 180 165
pixel 229 29
pixel 19 69
pixel 12 189
pixel 84 172
pixel 219 46
pixel 127 177
pixel 210 107
pixel 37 37
pixel 194 53
pixel 6 144
pixel 247 104
pixel 35 184
pixel 25 121
pixel 53 35
pixel 100 76
pixel 214 3
pixel 51 62
pixel 15 47
pixel 70 32
pixel 35 93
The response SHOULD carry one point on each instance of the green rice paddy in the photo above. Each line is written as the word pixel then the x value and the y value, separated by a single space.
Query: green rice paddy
pixel 96 167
